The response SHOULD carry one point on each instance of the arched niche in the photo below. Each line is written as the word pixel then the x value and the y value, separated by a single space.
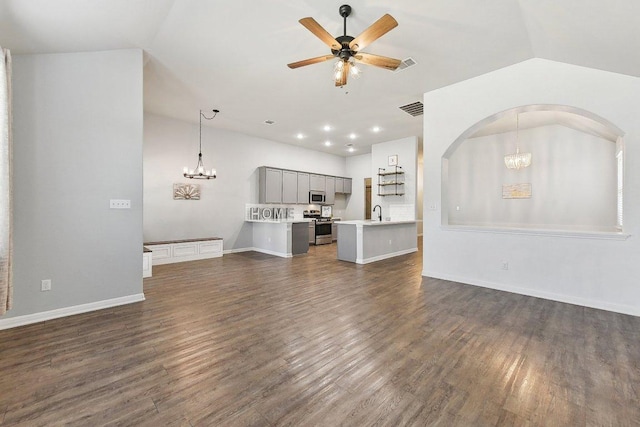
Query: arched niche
pixel 575 176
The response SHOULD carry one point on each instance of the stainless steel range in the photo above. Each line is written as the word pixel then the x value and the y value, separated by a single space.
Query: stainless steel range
pixel 322 227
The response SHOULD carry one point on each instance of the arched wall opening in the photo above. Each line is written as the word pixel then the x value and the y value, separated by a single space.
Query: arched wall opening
pixel 574 182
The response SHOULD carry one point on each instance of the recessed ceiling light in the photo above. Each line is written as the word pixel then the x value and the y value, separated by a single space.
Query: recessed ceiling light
pixel 327 128
pixel 299 136
pixel 352 136
pixel 376 128
pixel 351 149
pixel 327 143
pixel 269 122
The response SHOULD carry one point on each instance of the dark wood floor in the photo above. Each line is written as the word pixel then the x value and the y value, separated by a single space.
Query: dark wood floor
pixel 250 339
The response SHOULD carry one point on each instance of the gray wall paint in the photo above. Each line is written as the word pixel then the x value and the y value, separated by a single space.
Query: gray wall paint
pixel 573 177
pixel 407 151
pixel 77 144
pixel 582 270
pixel 172 144
pixel 358 168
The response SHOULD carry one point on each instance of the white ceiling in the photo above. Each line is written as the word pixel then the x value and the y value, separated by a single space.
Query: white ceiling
pixel 232 55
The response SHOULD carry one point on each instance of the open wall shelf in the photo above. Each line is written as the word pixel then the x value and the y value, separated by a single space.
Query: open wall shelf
pixel 391 181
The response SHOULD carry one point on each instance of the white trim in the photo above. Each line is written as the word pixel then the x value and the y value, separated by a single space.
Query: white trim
pixel 233 251
pixel 600 235
pixel 385 256
pixel 29 319
pixel 269 252
pixel 584 302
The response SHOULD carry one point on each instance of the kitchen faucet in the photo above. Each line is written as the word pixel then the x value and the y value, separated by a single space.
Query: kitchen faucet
pixel 379 213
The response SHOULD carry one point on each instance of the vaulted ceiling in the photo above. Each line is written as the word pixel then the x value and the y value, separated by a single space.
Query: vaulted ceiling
pixel 232 55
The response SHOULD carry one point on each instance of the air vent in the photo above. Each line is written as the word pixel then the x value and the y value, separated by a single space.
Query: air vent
pixel 415 109
pixel 409 62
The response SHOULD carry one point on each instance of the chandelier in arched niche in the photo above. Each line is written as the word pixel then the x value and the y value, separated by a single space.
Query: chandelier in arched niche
pixel 575 183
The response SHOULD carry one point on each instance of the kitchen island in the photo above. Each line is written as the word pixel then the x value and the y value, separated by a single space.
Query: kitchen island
pixel 281 238
pixel 367 241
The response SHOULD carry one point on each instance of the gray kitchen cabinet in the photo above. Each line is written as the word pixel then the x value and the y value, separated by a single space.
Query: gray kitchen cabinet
pixel 330 190
pixel 312 232
pixel 347 185
pixel 334 231
pixel 270 185
pixel 289 187
pixel 303 188
pixel 317 182
pixel 339 185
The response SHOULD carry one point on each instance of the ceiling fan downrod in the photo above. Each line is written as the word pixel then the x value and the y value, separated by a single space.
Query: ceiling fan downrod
pixel 345 10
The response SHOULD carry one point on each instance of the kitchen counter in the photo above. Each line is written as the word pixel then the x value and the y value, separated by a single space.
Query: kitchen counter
pixel 365 241
pixel 368 222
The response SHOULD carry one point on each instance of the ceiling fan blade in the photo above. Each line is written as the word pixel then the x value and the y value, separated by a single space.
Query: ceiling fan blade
pixel 375 31
pixel 310 61
pixel 313 26
pixel 378 61
pixel 342 80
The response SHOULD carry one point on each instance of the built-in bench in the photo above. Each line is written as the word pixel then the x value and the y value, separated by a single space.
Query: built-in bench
pixel 170 251
pixel 147 262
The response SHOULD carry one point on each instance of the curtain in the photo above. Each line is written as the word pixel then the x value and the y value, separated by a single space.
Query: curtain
pixel 6 215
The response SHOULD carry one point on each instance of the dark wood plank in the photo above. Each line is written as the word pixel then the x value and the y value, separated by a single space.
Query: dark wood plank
pixel 251 339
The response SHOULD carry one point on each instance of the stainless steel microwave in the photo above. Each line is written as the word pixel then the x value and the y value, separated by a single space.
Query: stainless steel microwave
pixel 316 197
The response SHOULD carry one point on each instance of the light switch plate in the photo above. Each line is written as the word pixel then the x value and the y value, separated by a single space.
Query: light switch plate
pixel 119 204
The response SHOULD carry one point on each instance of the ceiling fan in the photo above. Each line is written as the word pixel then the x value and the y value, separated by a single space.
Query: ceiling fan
pixel 347 49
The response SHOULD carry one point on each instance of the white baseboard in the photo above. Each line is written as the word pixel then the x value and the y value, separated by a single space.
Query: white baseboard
pixel 269 252
pixel 29 319
pixel 234 251
pixel 584 302
pixel 385 256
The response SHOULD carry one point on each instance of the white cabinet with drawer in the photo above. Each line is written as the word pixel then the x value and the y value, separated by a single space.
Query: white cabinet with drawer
pixel 185 250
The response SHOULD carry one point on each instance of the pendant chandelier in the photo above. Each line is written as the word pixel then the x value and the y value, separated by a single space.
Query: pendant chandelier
pixel 517 160
pixel 200 172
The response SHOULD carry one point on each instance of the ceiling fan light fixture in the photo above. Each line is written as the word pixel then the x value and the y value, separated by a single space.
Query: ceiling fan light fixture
pixel 347 48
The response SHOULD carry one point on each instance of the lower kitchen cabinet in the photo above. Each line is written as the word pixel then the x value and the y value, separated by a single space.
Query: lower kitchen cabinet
pixel 312 232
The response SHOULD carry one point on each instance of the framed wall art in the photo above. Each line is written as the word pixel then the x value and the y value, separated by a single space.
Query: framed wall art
pixel 516 191
pixel 186 191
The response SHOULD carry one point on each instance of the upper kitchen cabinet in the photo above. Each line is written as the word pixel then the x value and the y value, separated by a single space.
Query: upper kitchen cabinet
pixel 303 188
pixel 343 185
pixel 289 187
pixel 347 186
pixel 292 187
pixel 270 185
pixel 330 190
pixel 317 182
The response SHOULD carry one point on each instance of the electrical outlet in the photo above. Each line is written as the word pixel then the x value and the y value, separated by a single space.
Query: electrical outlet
pixel 45 285
pixel 505 265
pixel 119 204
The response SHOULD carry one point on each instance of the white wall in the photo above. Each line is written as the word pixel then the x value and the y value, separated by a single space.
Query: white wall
pixel 358 168
pixel 573 176
pixel 584 269
pixel 407 151
pixel 77 144
pixel 169 145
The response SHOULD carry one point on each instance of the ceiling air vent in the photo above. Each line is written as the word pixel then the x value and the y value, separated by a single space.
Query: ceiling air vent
pixel 409 62
pixel 415 109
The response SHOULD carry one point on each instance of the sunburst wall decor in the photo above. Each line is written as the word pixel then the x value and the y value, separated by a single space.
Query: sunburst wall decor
pixel 186 192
